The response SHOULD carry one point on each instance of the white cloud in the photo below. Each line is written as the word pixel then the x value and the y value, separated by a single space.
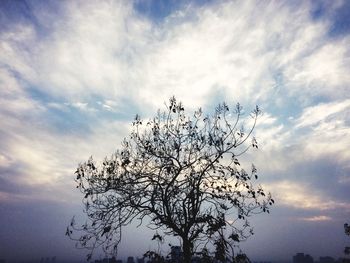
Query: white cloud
pixel 110 105
pixel 58 106
pixel 323 112
pixel 321 132
pixel 14 47
pixel 320 218
pixel 228 48
pixel 5 161
pixel 323 72
pixel 298 195
pixel 82 106
pixel 105 52
pixel 38 156
pixel 13 97
pixel 329 130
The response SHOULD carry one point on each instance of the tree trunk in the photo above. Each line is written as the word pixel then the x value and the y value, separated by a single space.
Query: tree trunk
pixel 187 250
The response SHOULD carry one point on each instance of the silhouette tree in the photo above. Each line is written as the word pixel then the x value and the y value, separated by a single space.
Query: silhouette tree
pixel 179 171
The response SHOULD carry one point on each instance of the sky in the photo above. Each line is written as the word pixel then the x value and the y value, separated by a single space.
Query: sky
pixel 73 74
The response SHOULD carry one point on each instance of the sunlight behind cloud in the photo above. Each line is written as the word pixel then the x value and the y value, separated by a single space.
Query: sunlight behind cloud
pixel 299 196
pixel 316 218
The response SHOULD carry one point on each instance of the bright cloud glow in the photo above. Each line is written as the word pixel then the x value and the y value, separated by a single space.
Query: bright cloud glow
pixel 299 196
pixel 316 218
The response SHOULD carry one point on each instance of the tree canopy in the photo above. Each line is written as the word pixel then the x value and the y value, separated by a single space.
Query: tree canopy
pixel 180 173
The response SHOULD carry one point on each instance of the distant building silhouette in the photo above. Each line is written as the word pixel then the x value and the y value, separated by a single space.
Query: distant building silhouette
pixel 130 260
pixel 176 254
pixel 140 260
pixel 196 259
pixel 46 260
pixel 109 260
pixel 301 258
pixel 326 260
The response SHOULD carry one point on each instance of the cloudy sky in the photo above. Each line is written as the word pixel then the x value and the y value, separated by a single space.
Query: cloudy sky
pixel 73 74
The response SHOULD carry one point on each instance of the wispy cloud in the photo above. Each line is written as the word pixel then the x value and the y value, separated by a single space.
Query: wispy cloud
pixel 298 195
pixel 316 218
pixel 323 112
